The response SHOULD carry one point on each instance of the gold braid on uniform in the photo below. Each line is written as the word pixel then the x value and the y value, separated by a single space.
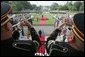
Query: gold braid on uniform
pixel 78 33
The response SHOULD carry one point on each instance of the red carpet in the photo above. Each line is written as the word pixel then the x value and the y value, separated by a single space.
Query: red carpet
pixel 43 20
pixel 41 48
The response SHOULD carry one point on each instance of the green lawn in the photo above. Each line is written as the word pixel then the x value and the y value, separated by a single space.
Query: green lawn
pixel 50 17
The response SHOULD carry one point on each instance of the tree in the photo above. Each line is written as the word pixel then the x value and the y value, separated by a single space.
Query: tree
pixel 54 6
pixel 34 6
pixel 21 5
pixel 77 5
pixel 64 7
pixel 39 8
pixel 69 5
pixel 14 6
pixel 82 7
pixel 27 5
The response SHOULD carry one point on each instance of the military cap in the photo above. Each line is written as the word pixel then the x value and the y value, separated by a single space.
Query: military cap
pixel 5 10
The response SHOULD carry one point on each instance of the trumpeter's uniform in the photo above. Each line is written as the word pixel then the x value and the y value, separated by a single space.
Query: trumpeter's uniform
pixel 55 48
pixel 10 47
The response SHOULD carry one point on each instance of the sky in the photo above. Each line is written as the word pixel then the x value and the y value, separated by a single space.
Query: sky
pixel 47 3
